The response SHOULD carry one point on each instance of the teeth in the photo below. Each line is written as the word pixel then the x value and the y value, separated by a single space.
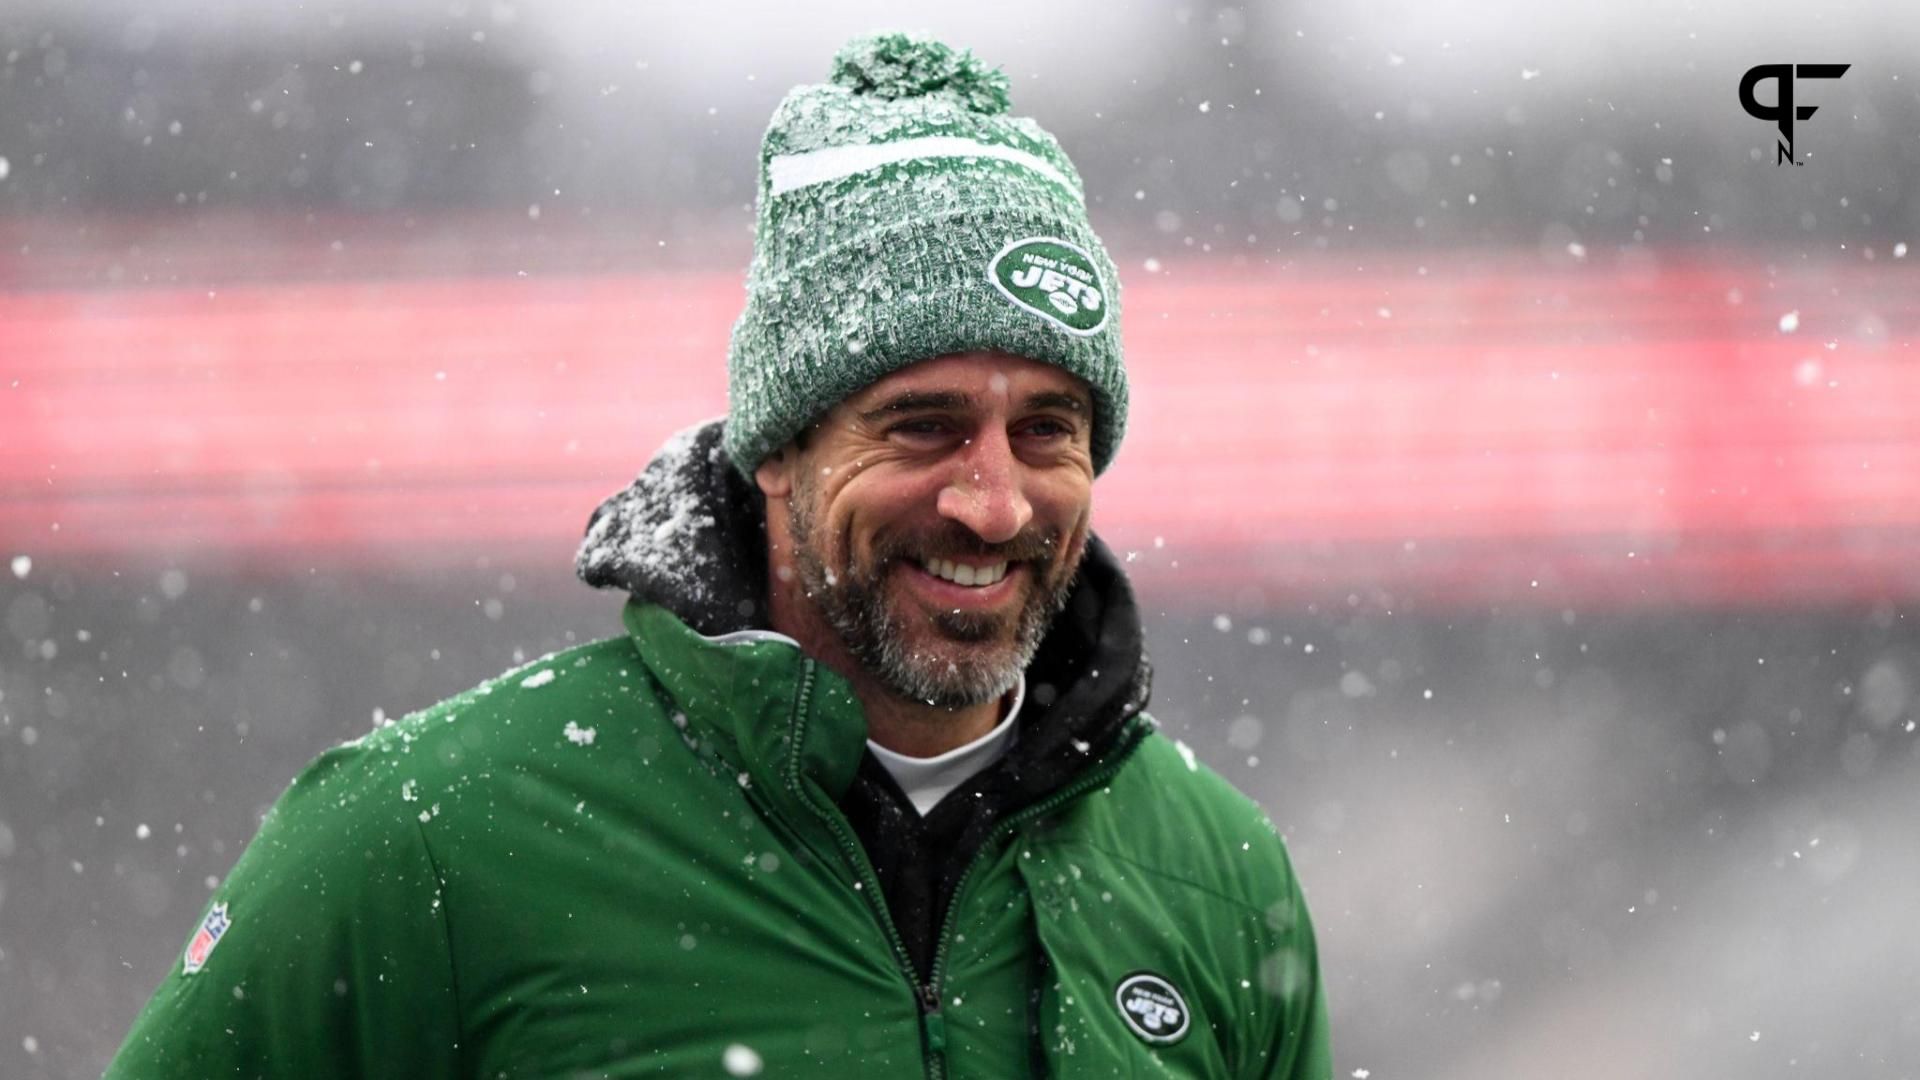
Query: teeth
pixel 962 574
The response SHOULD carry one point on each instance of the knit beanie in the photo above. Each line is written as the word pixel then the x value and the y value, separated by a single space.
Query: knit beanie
pixel 904 215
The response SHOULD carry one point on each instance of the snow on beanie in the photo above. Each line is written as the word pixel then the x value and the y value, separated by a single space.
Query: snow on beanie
pixel 904 215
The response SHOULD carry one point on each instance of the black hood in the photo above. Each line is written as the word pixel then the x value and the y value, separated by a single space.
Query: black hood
pixel 689 534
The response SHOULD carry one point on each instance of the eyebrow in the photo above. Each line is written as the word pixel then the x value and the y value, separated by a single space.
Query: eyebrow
pixel 1055 399
pixel 949 400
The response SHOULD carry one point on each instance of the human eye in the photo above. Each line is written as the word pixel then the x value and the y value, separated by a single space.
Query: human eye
pixel 921 428
pixel 1048 429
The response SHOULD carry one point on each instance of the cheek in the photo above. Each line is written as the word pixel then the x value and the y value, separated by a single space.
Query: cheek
pixel 879 503
pixel 1076 545
pixel 1075 524
pixel 857 517
pixel 816 523
pixel 1065 505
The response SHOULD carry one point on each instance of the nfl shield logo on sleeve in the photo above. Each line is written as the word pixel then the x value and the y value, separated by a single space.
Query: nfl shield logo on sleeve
pixel 212 929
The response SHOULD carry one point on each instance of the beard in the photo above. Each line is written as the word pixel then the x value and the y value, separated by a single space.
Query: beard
pixel 946 658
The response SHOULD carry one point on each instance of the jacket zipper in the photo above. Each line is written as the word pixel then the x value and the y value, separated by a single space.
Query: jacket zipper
pixel 930 993
pixel 933 1027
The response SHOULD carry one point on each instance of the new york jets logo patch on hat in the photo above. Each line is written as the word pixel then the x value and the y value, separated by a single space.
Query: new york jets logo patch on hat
pixel 1152 1007
pixel 1054 280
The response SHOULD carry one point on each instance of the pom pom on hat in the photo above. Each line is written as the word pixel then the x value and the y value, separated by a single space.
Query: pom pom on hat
pixel 899 65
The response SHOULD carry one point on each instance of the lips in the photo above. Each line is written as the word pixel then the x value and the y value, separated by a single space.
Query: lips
pixel 960 573
pixel 943 592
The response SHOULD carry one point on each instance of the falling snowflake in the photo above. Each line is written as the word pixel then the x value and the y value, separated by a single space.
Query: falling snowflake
pixel 741 1060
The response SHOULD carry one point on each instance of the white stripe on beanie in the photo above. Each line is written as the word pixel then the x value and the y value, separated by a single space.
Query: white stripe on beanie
pixel 790 172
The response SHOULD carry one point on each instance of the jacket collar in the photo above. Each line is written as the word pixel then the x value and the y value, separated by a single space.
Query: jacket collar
pixel 687 540
pixel 752 702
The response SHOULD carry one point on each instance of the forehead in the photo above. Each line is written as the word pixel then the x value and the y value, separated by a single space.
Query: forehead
pixel 979 376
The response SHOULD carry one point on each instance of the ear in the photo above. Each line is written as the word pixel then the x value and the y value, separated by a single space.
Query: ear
pixel 774 474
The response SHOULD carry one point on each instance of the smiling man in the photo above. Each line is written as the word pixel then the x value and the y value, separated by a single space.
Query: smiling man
pixel 867 788
pixel 927 535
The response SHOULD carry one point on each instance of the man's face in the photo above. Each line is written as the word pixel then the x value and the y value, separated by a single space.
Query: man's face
pixel 976 467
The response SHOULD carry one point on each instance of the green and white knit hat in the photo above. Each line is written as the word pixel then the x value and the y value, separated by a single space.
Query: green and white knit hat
pixel 904 215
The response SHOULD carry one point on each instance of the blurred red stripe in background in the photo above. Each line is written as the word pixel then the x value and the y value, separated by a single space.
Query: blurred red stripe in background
pixel 1486 430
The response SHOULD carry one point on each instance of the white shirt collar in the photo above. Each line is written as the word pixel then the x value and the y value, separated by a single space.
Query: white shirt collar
pixel 928 780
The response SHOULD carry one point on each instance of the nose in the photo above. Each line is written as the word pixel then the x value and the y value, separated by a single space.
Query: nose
pixel 985 493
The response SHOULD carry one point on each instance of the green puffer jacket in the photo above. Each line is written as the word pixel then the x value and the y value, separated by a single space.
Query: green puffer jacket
pixel 635 858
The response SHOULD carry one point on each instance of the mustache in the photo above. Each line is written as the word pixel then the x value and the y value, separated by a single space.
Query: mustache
pixel 955 541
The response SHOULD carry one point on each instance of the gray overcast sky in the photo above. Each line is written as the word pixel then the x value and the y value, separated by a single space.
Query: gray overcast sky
pixel 1367 120
pixel 1441 49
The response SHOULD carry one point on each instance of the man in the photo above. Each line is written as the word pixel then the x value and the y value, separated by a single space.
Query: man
pixel 866 790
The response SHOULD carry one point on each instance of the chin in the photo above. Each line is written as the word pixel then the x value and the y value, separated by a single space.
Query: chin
pixel 954 674
pixel 942 656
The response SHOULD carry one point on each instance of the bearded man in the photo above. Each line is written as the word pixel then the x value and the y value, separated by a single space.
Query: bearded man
pixel 867 788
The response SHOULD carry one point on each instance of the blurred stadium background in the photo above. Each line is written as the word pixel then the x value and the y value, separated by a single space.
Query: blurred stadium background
pixel 1523 483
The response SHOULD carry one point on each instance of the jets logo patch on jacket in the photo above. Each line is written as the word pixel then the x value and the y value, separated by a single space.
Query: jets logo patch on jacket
pixel 1152 1007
